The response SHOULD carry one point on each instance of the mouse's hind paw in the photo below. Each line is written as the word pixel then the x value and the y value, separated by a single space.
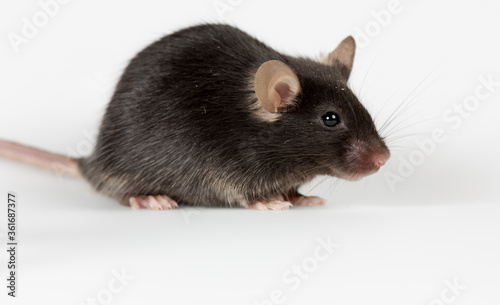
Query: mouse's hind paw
pixel 159 202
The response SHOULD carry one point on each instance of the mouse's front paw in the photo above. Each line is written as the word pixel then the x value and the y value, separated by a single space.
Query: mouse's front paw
pixel 274 205
pixel 307 201
pixel 159 202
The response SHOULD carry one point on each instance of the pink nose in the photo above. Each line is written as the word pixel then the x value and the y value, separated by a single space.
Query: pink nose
pixel 380 161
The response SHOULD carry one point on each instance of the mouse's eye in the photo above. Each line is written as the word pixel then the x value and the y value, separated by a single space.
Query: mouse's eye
pixel 330 119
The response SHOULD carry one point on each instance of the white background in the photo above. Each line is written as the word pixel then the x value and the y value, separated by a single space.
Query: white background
pixel 399 241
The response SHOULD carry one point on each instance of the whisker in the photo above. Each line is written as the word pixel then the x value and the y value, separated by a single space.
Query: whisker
pixel 392 140
pixel 399 148
pixel 393 129
pixel 383 106
pixel 409 105
pixel 366 73
pixel 410 98
pixel 317 184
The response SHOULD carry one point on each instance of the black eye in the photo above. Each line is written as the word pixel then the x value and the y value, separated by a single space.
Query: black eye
pixel 330 119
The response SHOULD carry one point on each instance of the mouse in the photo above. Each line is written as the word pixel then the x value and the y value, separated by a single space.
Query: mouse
pixel 210 116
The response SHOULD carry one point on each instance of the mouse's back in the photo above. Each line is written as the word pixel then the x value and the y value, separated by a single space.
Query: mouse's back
pixel 173 111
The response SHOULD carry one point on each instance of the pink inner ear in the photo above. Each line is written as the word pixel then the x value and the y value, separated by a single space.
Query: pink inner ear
pixel 276 85
pixel 284 91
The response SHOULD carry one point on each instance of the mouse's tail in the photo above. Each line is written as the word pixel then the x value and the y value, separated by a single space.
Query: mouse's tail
pixel 39 158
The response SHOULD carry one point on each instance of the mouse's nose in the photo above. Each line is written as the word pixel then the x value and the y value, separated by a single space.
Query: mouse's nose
pixel 380 160
pixel 369 157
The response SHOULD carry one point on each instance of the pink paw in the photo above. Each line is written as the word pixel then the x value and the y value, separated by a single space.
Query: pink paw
pixel 152 202
pixel 274 205
pixel 308 201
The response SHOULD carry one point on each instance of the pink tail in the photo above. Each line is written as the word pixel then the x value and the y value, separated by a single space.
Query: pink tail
pixel 32 156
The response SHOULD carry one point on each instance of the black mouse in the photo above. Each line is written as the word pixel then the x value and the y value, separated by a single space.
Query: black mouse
pixel 210 116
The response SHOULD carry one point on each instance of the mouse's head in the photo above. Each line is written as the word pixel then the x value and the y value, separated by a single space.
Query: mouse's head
pixel 318 120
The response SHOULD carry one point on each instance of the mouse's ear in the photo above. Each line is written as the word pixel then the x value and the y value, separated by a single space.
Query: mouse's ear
pixel 343 54
pixel 276 86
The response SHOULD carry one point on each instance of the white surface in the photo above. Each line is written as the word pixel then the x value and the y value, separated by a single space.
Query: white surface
pixel 395 246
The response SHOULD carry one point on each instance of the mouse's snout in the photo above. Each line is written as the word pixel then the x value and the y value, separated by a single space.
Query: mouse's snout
pixel 369 158
pixel 365 159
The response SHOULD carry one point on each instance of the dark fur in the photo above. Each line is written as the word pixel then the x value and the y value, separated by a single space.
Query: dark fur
pixel 181 124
